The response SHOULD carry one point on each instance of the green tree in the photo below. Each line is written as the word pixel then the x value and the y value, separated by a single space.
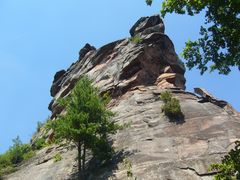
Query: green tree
pixel 218 47
pixel 229 168
pixel 16 154
pixel 17 151
pixel 86 122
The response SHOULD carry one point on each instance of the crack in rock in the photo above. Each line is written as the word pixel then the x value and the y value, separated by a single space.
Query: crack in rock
pixel 197 173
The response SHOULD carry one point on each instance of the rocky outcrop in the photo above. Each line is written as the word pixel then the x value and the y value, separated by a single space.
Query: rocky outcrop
pixel 85 50
pixel 121 65
pixel 57 80
pixel 147 25
pixel 162 148
pixel 135 74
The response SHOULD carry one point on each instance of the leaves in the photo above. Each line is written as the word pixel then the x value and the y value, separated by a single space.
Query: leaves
pixel 86 121
pixel 16 154
pixel 171 105
pixel 229 168
pixel 149 2
pixel 218 47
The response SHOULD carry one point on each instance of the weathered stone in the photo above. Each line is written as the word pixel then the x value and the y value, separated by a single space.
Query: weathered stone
pixel 157 147
pixel 85 50
pixel 43 166
pixel 209 97
pixel 147 25
pixel 122 65
pixel 56 82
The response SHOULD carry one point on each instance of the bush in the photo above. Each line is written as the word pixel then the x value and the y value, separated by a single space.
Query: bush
pixel 16 154
pixel 136 39
pixel 28 155
pixel 39 144
pixel 5 160
pixel 229 168
pixel 171 106
pixel 17 151
pixel 6 170
pixel 39 126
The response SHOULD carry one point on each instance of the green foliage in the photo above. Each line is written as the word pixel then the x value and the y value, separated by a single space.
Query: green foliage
pixel 29 155
pixel 229 168
pixel 136 39
pixel 16 154
pixel 86 121
pixel 57 157
pixel 128 165
pixel 149 2
pixel 18 150
pixel 218 48
pixel 39 126
pixel 39 144
pixel 171 105
pixel 5 164
pixel 6 170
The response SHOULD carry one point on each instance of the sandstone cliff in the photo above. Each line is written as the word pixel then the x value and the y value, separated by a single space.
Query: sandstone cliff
pixel 136 71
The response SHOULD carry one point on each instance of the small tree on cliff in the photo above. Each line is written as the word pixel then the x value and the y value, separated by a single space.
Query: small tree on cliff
pixel 86 122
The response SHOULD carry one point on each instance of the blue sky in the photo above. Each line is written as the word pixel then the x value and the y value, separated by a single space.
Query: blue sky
pixel 40 37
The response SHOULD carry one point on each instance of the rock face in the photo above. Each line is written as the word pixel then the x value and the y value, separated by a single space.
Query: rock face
pixel 147 25
pixel 157 147
pixel 121 65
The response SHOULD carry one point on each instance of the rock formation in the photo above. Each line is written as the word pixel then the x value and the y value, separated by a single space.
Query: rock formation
pixel 135 74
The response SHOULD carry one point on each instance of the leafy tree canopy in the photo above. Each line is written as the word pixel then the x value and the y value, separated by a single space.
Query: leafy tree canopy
pixel 218 47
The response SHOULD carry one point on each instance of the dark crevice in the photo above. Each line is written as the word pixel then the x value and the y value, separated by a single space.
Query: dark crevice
pixel 130 70
pixel 199 174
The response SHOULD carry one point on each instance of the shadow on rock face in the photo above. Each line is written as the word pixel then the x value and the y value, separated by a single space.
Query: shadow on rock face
pixel 97 170
pixel 177 119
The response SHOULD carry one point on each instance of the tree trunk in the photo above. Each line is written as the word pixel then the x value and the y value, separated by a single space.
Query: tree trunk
pixel 79 160
pixel 84 155
pixel 84 159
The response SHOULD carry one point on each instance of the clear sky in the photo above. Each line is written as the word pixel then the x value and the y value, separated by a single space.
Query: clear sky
pixel 40 37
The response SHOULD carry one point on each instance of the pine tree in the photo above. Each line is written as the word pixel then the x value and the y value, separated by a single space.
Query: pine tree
pixel 86 122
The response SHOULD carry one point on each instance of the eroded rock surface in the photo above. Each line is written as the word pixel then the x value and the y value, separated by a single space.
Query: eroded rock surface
pixel 161 148
pixel 157 147
pixel 147 25
pixel 121 65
